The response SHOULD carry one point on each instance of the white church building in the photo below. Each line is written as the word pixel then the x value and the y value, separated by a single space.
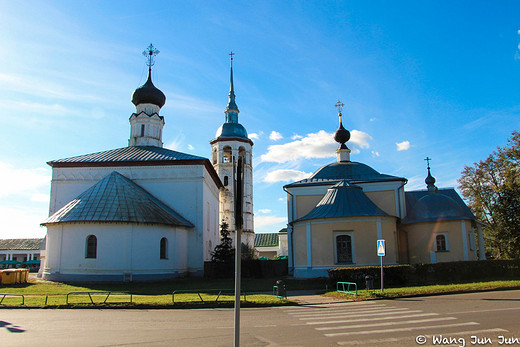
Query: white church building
pixel 143 212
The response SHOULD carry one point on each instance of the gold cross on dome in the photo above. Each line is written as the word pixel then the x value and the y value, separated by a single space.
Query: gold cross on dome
pixel 339 105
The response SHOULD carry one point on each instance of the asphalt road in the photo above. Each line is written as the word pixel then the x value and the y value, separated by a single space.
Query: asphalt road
pixel 456 320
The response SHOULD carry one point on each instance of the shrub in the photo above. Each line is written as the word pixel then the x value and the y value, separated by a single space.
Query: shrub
pixel 424 274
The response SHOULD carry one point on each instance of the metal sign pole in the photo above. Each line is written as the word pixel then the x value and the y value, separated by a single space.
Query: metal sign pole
pixel 381 252
pixel 239 188
pixel 382 288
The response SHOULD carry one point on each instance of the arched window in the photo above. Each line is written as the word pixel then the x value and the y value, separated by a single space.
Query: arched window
pixel 227 154
pixel 242 153
pixel 164 248
pixel 226 180
pixel 441 244
pixel 343 249
pixel 91 247
pixel 142 130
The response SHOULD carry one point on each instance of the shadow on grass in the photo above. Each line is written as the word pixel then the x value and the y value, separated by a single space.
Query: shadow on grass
pixel 191 283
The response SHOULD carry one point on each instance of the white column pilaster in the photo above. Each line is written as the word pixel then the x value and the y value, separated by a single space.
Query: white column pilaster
pixel 464 239
pixel 309 245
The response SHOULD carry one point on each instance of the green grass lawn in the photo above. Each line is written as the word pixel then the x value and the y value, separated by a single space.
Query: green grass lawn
pixel 159 294
pixel 51 294
pixel 428 290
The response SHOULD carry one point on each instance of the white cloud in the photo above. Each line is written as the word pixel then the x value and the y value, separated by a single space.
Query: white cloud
pixel 403 146
pixel 360 138
pixel 39 197
pixel 285 175
pixel 375 154
pixel 373 119
pixel 275 136
pixel 263 221
pixel 176 144
pixel 256 136
pixel 22 222
pixel 264 210
pixel 296 137
pixel 191 148
pixel 22 181
pixel 314 145
pixel 281 199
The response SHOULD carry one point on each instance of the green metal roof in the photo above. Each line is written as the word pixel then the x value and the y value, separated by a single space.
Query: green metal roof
pixel 117 199
pixel 352 171
pixel 429 206
pixel 128 155
pixel 266 240
pixel 344 200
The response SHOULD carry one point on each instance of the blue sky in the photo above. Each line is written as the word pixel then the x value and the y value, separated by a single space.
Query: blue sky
pixel 418 78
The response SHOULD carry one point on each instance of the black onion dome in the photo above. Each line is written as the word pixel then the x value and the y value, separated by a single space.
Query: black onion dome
pixel 341 135
pixel 430 180
pixel 148 94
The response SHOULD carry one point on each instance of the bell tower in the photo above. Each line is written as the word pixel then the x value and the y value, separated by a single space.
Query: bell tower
pixel 146 124
pixel 231 142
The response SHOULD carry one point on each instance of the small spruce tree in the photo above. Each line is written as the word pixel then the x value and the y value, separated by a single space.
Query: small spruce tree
pixel 224 252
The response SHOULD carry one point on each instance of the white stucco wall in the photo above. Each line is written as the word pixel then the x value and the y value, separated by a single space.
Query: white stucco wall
pixel 122 248
pixel 188 189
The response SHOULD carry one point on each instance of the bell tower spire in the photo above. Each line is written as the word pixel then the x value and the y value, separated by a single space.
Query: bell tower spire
pixel 230 143
pixel 232 108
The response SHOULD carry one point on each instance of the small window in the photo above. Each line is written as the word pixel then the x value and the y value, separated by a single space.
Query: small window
pixel 164 248
pixel 142 130
pixel 91 247
pixel 344 249
pixel 440 241
pixel 226 180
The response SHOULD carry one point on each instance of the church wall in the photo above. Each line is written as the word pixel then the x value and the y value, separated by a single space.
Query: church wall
pixel 305 203
pixel 364 233
pixel 300 245
pixel 137 256
pixel 188 189
pixel 421 241
pixel 385 200
pixel 211 211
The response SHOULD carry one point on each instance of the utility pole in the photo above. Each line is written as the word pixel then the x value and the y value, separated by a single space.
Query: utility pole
pixel 239 192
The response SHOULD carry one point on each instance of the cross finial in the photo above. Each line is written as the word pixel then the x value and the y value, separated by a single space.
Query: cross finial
pixel 231 54
pixel 150 52
pixel 339 105
pixel 428 161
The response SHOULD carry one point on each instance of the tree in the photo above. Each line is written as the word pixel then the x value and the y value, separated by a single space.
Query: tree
pixel 492 188
pixel 224 252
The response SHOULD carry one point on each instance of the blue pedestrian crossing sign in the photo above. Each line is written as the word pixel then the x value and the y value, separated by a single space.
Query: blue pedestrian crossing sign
pixel 380 248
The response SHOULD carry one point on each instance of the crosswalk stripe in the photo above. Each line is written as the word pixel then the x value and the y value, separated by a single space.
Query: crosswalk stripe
pixel 351 313
pixel 387 323
pixel 381 331
pixel 335 308
pixel 400 316
pixel 327 306
pixel 339 310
